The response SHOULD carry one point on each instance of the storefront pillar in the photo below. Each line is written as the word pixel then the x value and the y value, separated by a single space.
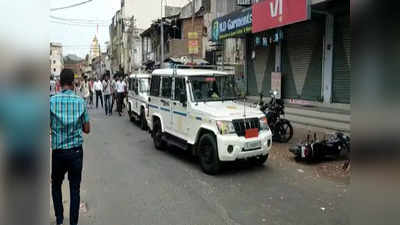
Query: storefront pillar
pixel 327 65
pixel 278 57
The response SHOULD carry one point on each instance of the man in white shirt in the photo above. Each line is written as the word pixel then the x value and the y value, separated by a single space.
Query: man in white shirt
pixel 98 88
pixel 121 90
pixel 107 95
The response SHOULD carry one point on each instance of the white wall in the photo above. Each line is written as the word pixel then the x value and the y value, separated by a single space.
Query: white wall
pixel 56 61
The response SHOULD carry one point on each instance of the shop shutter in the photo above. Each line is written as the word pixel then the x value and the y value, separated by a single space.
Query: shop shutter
pixel 259 69
pixel 302 60
pixel 341 60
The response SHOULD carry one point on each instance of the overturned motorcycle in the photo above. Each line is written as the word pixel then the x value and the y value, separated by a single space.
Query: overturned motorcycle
pixel 315 150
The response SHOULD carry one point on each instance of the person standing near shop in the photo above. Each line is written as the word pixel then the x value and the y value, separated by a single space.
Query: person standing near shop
pixel 68 119
pixel 121 90
pixel 107 95
pixel 98 88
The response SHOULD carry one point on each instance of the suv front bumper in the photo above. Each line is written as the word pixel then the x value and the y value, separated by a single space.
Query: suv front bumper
pixel 239 146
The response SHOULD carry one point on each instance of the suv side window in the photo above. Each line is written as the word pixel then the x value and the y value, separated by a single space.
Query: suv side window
pixel 166 87
pixel 155 86
pixel 135 86
pixel 179 88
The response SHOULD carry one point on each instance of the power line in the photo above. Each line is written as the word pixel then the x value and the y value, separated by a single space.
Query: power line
pixel 71 6
pixel 79 24
pixel 79 20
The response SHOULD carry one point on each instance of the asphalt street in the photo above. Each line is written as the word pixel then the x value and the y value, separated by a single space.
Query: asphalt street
pixel 126 181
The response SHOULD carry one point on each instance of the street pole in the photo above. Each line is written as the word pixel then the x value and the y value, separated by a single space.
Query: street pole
pixel 162 36
pixel 193 8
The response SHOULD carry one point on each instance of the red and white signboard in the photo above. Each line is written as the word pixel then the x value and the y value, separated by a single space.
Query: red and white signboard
pixel 276 13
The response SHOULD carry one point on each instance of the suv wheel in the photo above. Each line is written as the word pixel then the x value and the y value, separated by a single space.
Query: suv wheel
pixel 157 135
pixel 260 160
pixel 143 122
pixel 208 154
pixel 131 118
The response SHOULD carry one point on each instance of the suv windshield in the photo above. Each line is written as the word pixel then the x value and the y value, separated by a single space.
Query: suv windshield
pixel 144 86
pixel 213 88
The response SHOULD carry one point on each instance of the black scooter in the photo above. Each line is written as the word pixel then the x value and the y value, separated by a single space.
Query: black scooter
pixel 281 128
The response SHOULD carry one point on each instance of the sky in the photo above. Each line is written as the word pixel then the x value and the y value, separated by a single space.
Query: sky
pixel 77 39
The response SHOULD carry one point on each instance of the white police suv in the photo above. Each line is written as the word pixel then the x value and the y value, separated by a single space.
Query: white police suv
pixel 197 110
pixel 138 95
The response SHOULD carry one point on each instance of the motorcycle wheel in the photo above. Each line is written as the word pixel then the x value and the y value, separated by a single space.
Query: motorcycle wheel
pixel 285 130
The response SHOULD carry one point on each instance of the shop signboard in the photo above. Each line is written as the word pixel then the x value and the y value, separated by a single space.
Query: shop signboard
pixel 244 2
pixel 271 14
pixel 232 25
pixel 193 46
pixel 193 36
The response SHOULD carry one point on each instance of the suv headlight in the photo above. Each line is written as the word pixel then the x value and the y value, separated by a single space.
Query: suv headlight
pixel 225 127
pixel 264 123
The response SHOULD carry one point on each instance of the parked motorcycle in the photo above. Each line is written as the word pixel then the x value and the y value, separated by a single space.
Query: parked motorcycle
pixel 314 150
pixel 281 128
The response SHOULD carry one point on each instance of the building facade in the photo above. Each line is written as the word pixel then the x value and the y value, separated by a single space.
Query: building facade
pixel 56 59
pixel 300 47
pixel 76 64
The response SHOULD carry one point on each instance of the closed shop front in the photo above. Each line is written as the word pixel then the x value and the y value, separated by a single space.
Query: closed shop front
pixel 260 65
pixel 341 87
pixel 302 53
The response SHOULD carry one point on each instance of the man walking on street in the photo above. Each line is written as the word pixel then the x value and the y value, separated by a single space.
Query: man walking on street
pixel 121 89
pixel 68 119
pixel 98 88
pixel 113 92
pixel 107 95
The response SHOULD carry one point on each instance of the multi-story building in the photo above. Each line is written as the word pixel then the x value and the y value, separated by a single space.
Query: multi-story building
pixel 56 59
pixel 304 46
pixel 76 64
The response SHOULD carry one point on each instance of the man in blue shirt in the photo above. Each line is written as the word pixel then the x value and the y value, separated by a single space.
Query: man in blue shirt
pixel 68 119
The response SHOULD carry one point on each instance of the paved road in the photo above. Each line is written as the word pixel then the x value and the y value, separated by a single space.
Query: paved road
pixel 127 181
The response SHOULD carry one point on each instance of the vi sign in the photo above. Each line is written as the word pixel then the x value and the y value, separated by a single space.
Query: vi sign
pixel 271 14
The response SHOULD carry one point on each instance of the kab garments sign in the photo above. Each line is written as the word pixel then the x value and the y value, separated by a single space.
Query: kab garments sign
pixel 276 13
pixel 232 25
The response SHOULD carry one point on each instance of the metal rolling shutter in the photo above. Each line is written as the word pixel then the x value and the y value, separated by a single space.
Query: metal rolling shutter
pixel 302 60
pixel 342 60
pixel 259 69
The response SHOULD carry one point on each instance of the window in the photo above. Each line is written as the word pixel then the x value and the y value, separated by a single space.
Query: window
pixel 155 86
pixel 179 88
pixel 130 84
pixel 135 86
pixel 166 87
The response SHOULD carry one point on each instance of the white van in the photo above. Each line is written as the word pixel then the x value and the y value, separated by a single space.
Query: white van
pixel 138 94
pixel 198 110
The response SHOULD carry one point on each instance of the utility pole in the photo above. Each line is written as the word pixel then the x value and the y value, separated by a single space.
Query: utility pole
pixel 193 8
pixel 162 36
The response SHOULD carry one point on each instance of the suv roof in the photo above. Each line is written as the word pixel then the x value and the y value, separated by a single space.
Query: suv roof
pixel 189 72
pixel 140 75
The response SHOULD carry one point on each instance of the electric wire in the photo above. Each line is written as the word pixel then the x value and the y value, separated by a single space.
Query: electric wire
pixel 71 6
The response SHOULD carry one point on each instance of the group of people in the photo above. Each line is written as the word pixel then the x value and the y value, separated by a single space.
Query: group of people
pixel 108 91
